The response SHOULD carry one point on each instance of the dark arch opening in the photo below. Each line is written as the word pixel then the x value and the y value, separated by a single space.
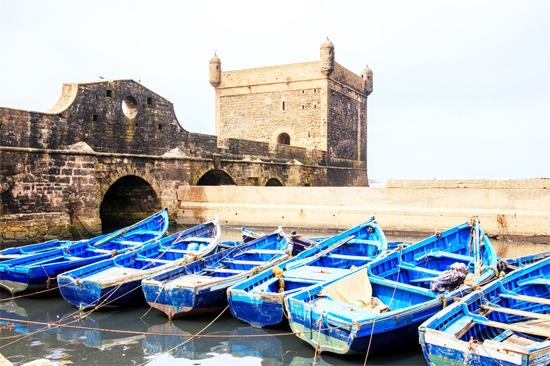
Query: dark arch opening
pixel 129 200
pixel 216 178
pixel 274 182
pixel 283 139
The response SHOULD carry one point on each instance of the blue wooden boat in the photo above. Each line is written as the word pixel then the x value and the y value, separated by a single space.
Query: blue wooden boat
pixel 37 271
pixel 506 323
pixel 201 286
pixel 385 301
pixel 114 281
pixel 259 300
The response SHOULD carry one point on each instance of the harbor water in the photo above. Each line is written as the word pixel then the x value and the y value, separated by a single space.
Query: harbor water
pixel 139 335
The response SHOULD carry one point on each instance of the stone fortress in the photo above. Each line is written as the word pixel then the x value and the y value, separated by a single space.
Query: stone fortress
pixel 113 149
pixel 315 105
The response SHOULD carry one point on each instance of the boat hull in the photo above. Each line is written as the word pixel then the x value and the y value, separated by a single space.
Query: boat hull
pixel 184 301
pixel 258 311
pixel 441 351
pixel 88 294
pixel 39 278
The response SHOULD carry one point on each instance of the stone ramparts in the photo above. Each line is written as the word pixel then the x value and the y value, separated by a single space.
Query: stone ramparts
pixel 507 207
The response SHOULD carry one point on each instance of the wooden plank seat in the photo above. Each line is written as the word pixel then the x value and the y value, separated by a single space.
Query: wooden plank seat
pixel 264 251
pixel 254 263
pixel 403 286
pixel 534 281
pixel 195 239
pixel 350 257
pixel 364 241
pixel 133 243
pixel 141 232
pixel 459 325
pixel 224 270
pixel 154 260
pixel 421 280
pixel 102 250
pixel 180 251
pixel 458 257
pixel 443 254
pixel 431 273
pixel 412 267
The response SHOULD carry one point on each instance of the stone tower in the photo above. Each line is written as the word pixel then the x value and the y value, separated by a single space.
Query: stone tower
pixel 215 71
pixel 318 105
pixel 366 74
pixel 327 58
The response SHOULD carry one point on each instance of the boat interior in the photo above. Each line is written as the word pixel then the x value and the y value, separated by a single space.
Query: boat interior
pixel 516 312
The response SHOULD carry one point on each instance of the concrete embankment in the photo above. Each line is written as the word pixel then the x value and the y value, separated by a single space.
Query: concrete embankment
pixel 512 207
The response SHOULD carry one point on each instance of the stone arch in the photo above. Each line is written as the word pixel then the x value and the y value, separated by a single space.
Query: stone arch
pixel 127 196
pixel 274 182
pixel 281 133
pixel 283 139
pixel 216 177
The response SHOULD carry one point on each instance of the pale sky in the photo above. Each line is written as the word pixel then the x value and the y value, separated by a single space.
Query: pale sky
pixel 461 88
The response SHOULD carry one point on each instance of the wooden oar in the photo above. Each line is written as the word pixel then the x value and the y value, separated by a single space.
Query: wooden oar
pixel 516 328
pixel 528 314
pixel 526 298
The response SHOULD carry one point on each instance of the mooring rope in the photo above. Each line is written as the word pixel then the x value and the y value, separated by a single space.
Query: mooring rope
pixel 391 301
pixel 132 332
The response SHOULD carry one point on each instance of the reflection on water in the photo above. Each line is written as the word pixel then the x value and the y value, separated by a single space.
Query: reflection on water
pixel 227 341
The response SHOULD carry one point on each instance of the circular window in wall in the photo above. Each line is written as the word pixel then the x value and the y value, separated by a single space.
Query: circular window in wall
pixel 129 106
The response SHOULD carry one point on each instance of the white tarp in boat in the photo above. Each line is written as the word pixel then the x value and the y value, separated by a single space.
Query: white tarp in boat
pixel 356 290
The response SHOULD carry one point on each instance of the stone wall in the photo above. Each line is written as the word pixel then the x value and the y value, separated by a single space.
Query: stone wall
pixel 263 116
pixel 523 210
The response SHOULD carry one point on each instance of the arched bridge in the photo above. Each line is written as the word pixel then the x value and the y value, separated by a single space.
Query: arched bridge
pixel 114 150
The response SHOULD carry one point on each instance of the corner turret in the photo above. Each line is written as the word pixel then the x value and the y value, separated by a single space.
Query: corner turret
pixel 327 58
pixel 215 71
pixel 366 74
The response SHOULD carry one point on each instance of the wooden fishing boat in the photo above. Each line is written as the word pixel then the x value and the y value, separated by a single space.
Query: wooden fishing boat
pixel 37 271
pixel 505 323
pixel 259 300
pixel 201 286
pixel 114 281
pixel 386 300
